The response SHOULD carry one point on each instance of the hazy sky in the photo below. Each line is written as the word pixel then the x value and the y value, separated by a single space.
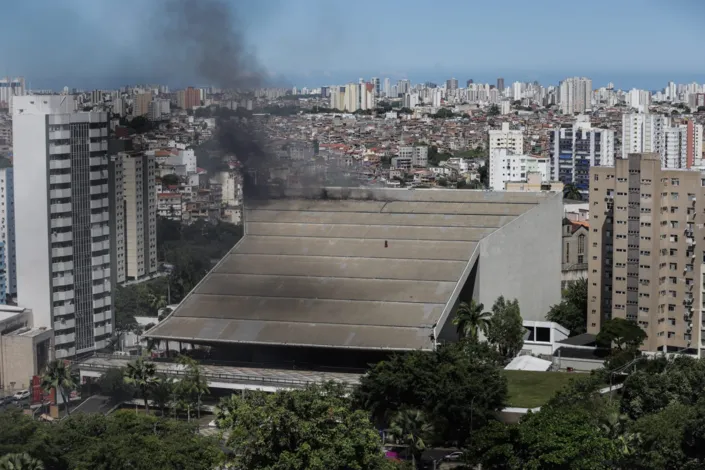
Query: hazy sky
pixel 94 43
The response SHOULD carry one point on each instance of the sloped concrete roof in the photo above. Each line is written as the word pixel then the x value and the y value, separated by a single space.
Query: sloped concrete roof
pixel 313 269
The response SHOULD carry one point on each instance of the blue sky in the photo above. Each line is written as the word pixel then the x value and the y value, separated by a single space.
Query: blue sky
pixel 643 43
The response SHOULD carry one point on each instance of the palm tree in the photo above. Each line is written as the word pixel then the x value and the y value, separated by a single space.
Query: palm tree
pixel 20 462
pixel 57 376
pixel 411 428
pixel 470 319
pixel 142 374
pixel 194 384
pixel 571 191
pixel 162 393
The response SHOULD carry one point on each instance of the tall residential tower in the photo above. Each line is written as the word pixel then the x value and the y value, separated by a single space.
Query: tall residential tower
pixel 62 228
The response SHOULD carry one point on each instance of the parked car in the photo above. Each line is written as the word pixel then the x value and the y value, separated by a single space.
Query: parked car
pixel 6 400
pixel 21 395
pixel 453 457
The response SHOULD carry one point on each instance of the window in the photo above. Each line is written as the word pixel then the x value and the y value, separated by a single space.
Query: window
pixel 581 244
pixel 675 181
pixel 567 252
pixel 581 259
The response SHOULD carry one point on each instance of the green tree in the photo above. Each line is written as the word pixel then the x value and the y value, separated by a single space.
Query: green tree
pixel 493 110
pixel 622 334
pixel 170 180
pixel 112 383
pixel 57 376
pixel 314 428
pixel 20 462
pixel 459 386
pixel 506 327
pixel 412 429
pixel 571 312
pixel 142 374
pixel 661 439
pixel 470 319
pixel 163 393
pixel 193 386
pixel 125 440
pixel 20 434
pixel 571 191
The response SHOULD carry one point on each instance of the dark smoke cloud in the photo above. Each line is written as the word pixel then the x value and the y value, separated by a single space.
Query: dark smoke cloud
pixel 204 39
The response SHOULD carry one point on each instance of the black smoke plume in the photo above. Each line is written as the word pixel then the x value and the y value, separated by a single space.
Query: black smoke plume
pixel 205 35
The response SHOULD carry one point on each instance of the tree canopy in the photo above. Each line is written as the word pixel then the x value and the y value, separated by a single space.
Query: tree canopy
pixel 571 312
pixel 314 428
pixel 506 328
pixel 622 334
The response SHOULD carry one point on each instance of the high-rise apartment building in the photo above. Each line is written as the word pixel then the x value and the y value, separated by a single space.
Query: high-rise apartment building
pixel 188 98
pixel 62 228
pixel 644 133
pixel 646 253
pixel 7 228
pixel 351 100
pixel 134 216
pixel 516 91
pixel 9 88
pixel 377 85
pixel 506 167
pixel 452 84
pixel 575 95
pixel 140 103
pixel 512 140
pixel 574 149
pixel 3 274
pixel 500 85
pixel 387 87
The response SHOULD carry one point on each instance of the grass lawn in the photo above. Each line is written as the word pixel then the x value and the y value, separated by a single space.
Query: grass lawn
pixel 529 389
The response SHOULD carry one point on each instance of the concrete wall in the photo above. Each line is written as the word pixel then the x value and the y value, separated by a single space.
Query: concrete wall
pixel 522 260
pixel 18 356
pixel 577 364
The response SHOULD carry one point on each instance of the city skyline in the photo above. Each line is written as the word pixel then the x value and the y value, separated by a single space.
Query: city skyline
pixel 286 38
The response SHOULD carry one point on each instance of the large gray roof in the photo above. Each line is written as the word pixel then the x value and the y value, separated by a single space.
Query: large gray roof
pixel 316 272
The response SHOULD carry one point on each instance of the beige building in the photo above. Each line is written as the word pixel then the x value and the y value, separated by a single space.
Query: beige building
pixel 534 183
pixel 135 214
pixel 574 259
pixel 646 250
pixel 140 105
pixel 24 350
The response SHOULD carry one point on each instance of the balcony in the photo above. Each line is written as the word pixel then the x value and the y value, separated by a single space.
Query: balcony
pixel 59 149
pixel 99 289
pixel 102 316
pixel 100 230
pixel 99 189
pixel 61 208
pixel 98 146
pixel 64 339
pixel 61 222
pixel 61 296
pixel 104 245
pixel 93 133
pixel 96 175
pixel 60 252
pixel 64 310
pixel 59 193
pixel 59 119
pixel 97 204
pixel 99 218
pixel 62 237
pixel 60 135
pixel 62 267
pixel 61 353
pixel 63 280
pixel 59 179
pixel 59 164
pixel 98 161
pixel 64 324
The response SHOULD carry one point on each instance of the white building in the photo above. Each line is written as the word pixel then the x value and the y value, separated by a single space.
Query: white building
pixel 507 167
pixel 505 138
pixel 639 99
pixel 231 185
pixel 63 232
pixel 351 100
pixel 417 154
pixel 505 107
pixel 516 91
pixel 575 95
pixel 644 133
pixel 7 227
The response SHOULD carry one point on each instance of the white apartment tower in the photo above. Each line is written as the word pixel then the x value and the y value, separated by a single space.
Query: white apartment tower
pixel 512 140
pixel 644 133
pixel 135 219
pixel 62 228
pixel 575 95
pixel 7 227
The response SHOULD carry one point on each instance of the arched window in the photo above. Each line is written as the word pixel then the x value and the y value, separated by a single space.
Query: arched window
pixel 581 244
